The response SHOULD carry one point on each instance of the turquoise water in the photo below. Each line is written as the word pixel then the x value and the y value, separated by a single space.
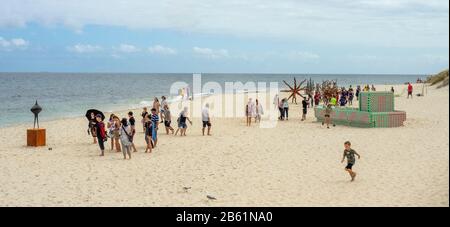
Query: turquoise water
pixel 71 94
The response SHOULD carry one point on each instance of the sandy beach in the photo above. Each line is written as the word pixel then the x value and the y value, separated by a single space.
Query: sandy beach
pixel 294 164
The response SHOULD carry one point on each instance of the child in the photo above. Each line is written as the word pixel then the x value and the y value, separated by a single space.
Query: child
pixel 349 153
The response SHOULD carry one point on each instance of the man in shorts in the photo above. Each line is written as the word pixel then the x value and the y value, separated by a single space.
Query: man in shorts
pixel 206 119
pixel 410 91
pixel 167 119
pixel 349 153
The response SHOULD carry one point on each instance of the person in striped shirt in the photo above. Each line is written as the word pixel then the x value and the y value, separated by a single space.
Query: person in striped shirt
pixel 155 120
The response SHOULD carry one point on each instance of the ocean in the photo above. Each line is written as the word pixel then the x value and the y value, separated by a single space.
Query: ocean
pixel 63 95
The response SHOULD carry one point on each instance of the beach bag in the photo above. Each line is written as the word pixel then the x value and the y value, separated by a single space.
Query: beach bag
pixel 130 137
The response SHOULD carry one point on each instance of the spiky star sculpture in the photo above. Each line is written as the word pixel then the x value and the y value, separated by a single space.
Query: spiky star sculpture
pixel 295 90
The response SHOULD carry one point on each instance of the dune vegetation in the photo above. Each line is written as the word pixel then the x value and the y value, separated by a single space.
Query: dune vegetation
pixel 441 79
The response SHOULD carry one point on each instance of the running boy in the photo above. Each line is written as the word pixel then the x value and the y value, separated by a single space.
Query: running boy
pixel 349 153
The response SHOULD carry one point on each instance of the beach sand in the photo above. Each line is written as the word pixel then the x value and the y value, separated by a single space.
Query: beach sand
pixel 294 164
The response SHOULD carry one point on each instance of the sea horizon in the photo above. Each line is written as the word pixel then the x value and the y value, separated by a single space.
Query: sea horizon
pixel 21 90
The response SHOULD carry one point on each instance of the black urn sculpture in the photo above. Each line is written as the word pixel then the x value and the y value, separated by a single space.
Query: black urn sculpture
pixel 36 109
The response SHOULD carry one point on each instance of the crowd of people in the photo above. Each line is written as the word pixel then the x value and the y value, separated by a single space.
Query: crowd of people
pixel 122 132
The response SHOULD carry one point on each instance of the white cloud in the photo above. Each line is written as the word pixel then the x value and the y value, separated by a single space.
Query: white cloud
pixel 211 53
pixel 84 48
pixel 436 59
pixel 127 48
pixel 159 49
pixel 303 56
pixel 407 23
pixel 13 44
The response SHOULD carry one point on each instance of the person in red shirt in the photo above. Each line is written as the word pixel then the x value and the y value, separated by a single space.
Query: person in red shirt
pixel 410 90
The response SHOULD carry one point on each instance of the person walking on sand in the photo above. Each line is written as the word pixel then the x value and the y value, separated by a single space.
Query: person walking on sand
pixel 133 129
pixel 148 125
pixel 410 91
pixel 101 133
pixel 304 108
pixel 92 129
pixel 125 138
pixel 144 112
pixel 163 104
pixel 349 153
pixel 286 109
pixel 155 120
pixel 206 120
pixel 327 116
pixel 182 126
pixel 350 96
pixel 168 120
pixel 259 111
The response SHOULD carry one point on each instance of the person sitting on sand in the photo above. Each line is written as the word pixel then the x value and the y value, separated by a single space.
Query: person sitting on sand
pixel 373 88
pixel 91 129
pixel 327 116
pixel 133 129
pixel 125 138
pixel 155 120
pixel 392 89
pixel 101 133
pixel 259 111
pixel 182 126
pixel 144 112
pixel 304 108
pixel 349 153
pixel 206 120
pixel 168 119
pixel 148 135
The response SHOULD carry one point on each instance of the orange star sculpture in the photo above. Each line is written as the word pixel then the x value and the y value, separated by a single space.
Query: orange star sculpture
pixel 295 90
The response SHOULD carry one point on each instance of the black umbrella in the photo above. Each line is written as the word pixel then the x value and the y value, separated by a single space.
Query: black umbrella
pixel 89 112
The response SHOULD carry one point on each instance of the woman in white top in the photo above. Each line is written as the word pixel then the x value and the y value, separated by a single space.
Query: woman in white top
pixel 259 111
pixel 250 111
pixel 125 134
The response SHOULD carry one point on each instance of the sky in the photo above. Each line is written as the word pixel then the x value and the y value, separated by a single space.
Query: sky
pixel 225 36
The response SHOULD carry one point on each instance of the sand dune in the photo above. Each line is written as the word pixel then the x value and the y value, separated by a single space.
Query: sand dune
pixel 294 164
